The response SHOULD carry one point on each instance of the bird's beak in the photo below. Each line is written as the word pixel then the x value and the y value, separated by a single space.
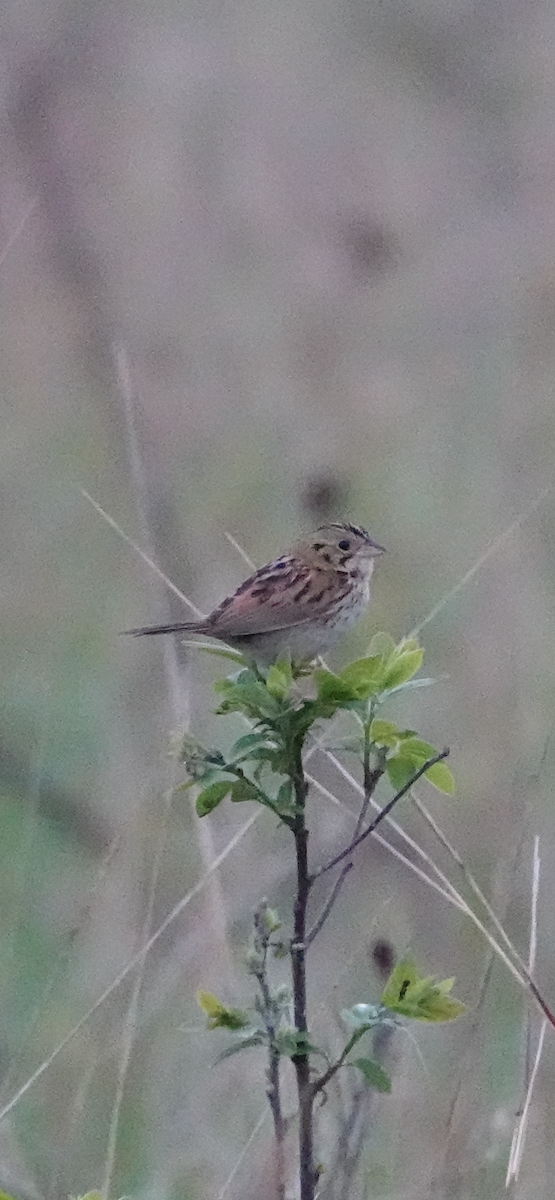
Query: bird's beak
pixel 374 549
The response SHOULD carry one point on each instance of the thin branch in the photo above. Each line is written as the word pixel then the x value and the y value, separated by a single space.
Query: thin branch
pixel 371 779
pixel 447 891
pixel 322 1082
pixel 384 812
pixel 326 910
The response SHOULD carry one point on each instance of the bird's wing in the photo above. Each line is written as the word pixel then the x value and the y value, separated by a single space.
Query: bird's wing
pixel 283 594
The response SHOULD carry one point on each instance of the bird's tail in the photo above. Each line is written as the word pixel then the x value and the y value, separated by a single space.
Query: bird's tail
pixel 181 627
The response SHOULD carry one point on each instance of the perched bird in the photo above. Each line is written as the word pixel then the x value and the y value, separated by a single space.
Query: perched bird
pixel 298 604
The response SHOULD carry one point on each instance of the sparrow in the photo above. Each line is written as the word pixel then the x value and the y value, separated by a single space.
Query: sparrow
pixel 298 604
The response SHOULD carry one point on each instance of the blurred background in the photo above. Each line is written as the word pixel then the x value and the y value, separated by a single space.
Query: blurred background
pixel 262 265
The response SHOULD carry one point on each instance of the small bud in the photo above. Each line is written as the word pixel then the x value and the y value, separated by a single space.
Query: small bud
pixel 283 996
pixel 254 961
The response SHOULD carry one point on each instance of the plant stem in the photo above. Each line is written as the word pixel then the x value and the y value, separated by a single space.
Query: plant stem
pixel 298 968
pixel 332 1070
pixel 430 762
pixel 268 1012
pixel 371 779
pixel 274 1100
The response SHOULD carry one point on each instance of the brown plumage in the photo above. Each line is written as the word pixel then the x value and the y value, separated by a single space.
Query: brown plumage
pixel 297 604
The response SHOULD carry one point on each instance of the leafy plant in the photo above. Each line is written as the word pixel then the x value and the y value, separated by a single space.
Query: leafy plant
pixel 265 766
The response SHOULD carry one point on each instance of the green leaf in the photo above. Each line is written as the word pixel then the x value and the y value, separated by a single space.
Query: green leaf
pixel 330 689
pixel 279 679
pixel 276 757
pixel 213 795
pixel 284 796
pixel 298 721
pixel 384 733
pixel 364 677
pixel 399 771
pixel 423 998
pixel 401 668
pixel 243 790
pixel 374 1075
pixel 412 755
pixel 442 778
pixel 244 1042
pixel 410 684
pixel 291 1042
pixel 219 1015
pixel 382 644
pixel 416 748
pixel 247 743
pixel 248 694
pixel 269 918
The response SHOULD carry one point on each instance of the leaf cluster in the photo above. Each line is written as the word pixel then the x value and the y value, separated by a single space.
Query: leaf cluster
pixel 407 994
pixel 261 764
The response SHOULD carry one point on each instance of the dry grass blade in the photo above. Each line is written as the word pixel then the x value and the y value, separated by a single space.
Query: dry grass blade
pixel 18 230
pixel 179 700
pixel 472 884
pixel 242 553
pixel 514 964
pixel 480 562
pixel 243 1154
pixel 519 1133
pixel 138 550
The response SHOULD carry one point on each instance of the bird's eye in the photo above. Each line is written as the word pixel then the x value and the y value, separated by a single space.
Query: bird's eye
pixel 344 544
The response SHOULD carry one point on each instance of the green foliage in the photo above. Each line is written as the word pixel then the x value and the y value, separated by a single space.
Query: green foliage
pixel 279 679
pixel 421 997
pixel 373 1074
pixel 388 669
pixel 364 1017
pixel 291 1042
pixel 245 1041
pixel 265 765
pixel 261 764
pixel 209 799
pixel 406 753
pixel 411 755
pixel 219 1015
